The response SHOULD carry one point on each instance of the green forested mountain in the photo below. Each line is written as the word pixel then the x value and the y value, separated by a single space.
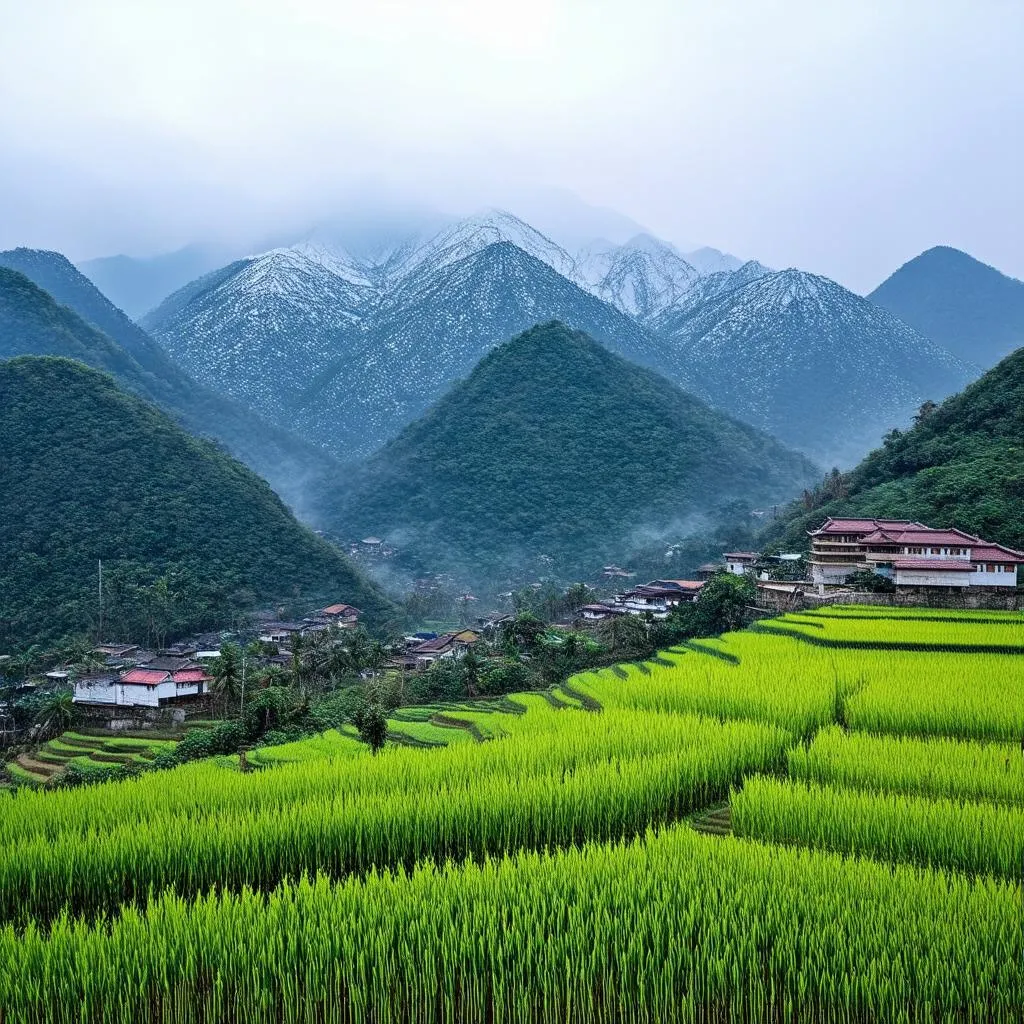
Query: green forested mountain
pixel 187 535
pixel 47 307
pixel 962 464
pixel 554 454
pixel 967 306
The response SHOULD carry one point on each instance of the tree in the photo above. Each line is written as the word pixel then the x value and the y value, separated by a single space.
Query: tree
pixel 55 714
pixel 924 412
pixel 372 726
pixel 721 604
pixel 471 673
pixel 227 674
pixel 873 582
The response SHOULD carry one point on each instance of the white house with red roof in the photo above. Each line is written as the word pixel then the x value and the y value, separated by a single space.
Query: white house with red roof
pixel 143 687
pixel 910 554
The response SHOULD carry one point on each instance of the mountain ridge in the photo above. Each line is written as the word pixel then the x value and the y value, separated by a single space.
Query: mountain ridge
pixel 806 360
pixel 961 464
pixel 555 447
pixel 33 322
pixel 92 472
pixel 970 307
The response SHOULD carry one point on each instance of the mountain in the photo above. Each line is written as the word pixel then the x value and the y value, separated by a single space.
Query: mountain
pixel 90 472
pixel 809 362
pixel 33 323
pixel 641 277
pixel 137 284
pixel 967 306
pixel 261 329
pixel 556 448
pixel 474 234
pixel 961 464
pixel 435 327
pixel 704 288
pixel 713 261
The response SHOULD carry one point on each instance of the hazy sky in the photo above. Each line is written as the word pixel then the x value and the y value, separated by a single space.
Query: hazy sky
pixel 841 137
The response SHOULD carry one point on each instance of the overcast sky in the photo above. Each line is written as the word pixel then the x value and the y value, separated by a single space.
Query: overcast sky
pixel 842 137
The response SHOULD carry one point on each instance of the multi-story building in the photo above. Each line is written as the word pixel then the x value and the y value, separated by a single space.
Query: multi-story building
pixel 909 553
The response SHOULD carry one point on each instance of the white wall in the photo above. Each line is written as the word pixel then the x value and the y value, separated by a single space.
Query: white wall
pixel 931 578
pixel 993 579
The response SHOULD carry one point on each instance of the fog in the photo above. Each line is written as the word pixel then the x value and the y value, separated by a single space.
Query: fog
pixel 841 138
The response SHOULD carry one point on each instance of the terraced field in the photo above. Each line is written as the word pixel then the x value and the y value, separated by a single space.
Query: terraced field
pixel 762 827
pixel 92 753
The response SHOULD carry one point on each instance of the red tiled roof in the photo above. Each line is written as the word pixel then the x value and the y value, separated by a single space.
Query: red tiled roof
pixel 996 553
pixel 340 609
pixel 191 675
pixel 145 677
pixel 941 564
pixel 862 525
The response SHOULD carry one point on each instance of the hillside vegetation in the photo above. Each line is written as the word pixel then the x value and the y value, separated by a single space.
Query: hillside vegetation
pixel 188 536
pixel 555 452
pixel 961 464
pixel 48 308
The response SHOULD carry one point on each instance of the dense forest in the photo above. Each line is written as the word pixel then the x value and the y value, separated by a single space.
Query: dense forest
pixel 48 308
pixel 555 454
pixel 961 464
pixel 188 536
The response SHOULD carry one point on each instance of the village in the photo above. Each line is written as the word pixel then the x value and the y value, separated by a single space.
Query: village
pixel 868 560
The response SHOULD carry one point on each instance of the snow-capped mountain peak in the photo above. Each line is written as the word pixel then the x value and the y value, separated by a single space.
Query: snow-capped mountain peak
pixel 475 233
pixel 641 277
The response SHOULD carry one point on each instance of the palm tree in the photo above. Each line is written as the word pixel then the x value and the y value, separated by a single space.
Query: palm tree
pixel 227 674
pixel 55 714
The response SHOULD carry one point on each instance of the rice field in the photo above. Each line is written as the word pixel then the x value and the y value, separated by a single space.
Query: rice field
pixel 953 834
pixel 957 769
pixel 671 927
pixel 992 634
pixel 531 858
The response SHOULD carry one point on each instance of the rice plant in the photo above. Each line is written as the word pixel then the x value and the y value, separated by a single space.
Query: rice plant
pixel 974 837
pixel 934 768
pixel 675 927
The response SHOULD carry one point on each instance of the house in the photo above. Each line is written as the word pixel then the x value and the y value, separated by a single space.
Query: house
pixel 739 563
pixel 679 591
pixel 658 597
pixel 281 632
pixel 600 612
pixel 707 570
pixel 342 615
pixel 448 645
pixel 143 687
pixel 119 651
pixel 910 554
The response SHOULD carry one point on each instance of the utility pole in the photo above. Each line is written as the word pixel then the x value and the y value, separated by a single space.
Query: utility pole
pixel 241 705
pixel 100 637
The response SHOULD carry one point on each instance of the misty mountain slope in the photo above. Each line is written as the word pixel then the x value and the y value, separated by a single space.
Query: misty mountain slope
pixel 556 447
pixel 55 274
pixel 806 360
pixel 713 261
pixel 263 332
pixel 32 323
pixel 90 472
pixel 435 328
pixel 641 278
pixel 965 305
pixel 137 284
pixel 961 464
